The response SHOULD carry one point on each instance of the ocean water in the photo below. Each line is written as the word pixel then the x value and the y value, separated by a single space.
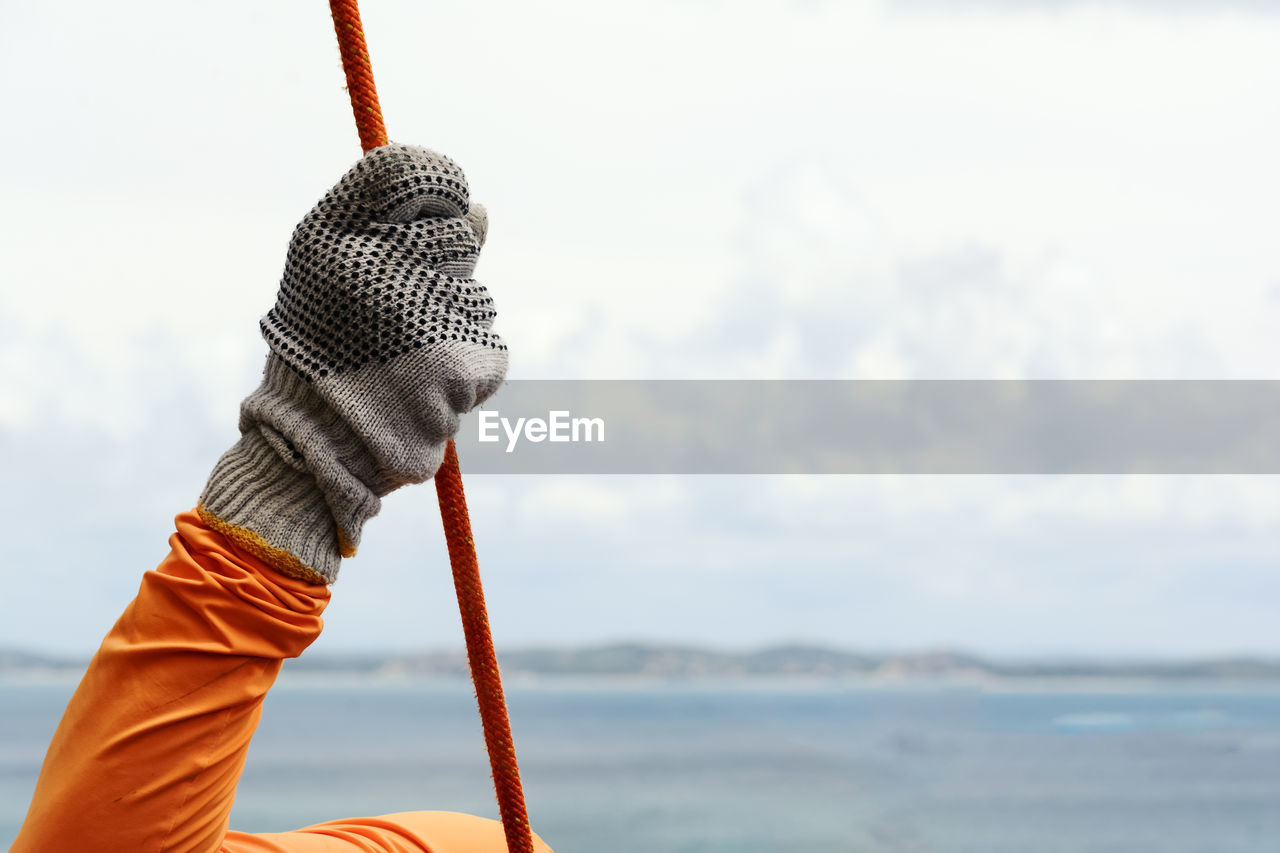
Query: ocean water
pixel 752 768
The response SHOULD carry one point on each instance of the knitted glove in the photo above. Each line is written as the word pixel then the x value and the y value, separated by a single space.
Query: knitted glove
pixel 380 340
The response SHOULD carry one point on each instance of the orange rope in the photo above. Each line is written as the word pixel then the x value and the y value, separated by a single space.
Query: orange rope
pixel 481 655
pixel 453 502
pixel 359 71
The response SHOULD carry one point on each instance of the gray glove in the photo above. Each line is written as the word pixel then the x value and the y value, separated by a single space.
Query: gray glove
pixel 380 340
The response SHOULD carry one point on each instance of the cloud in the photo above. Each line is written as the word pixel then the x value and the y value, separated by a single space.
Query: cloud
pixel 1156 8
pixel 827 287
pixel 1082 194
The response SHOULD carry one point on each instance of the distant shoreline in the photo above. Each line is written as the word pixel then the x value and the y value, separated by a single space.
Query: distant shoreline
pixel 624 663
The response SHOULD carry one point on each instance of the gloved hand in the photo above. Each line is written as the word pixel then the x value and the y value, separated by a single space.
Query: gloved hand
pixel 380 340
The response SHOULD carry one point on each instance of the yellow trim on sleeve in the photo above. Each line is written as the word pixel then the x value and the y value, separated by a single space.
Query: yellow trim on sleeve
pixel 278 558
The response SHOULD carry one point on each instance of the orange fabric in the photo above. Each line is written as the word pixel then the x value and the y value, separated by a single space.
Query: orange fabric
pixel 148 753
pixel 439 832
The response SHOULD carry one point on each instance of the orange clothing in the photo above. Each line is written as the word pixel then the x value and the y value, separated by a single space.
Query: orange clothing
pixel 148 753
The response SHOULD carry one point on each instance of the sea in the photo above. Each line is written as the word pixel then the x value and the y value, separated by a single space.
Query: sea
pixel 761 767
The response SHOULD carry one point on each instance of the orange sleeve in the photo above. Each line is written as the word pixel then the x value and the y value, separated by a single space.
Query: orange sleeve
pixel 148 753
pixel 407 832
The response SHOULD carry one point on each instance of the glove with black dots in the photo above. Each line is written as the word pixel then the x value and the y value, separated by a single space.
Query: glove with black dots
pixel 380 340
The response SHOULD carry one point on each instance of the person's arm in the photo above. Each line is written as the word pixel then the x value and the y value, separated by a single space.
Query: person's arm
pixel 379 341
pixel 148 753
pixel 147 756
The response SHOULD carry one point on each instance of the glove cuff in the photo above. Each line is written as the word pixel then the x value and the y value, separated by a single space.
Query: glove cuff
pixel 273 510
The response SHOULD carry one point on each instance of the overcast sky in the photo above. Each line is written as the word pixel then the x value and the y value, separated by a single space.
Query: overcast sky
pixel 676 190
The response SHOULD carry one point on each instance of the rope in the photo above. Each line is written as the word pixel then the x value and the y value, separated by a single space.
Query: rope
pixel 359 71
pixel 481 655
pixel 453 502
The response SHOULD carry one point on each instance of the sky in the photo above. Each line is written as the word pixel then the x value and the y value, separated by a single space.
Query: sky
pixel 747 190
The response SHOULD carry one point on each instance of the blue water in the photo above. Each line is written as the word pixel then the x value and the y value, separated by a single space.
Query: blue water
pixel 705 769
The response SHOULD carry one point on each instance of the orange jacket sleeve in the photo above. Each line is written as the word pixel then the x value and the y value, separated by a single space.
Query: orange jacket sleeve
pixel 152 743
